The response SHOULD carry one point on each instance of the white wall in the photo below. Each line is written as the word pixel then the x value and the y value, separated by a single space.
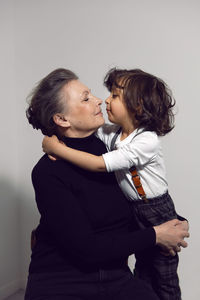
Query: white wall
pixel 9 204
pixel 89 37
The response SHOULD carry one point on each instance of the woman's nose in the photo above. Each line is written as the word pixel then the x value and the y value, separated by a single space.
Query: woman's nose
pixel 98 101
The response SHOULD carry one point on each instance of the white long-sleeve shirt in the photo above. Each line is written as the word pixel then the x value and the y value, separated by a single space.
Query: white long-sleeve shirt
pixel 141 149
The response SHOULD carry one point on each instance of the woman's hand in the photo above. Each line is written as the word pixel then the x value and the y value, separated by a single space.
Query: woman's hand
pixel 170 235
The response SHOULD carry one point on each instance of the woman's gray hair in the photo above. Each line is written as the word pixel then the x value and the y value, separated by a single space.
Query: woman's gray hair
pixel 46 100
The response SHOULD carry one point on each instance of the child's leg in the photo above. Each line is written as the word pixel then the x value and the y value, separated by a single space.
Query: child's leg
pixel 158 270
pixel 167 282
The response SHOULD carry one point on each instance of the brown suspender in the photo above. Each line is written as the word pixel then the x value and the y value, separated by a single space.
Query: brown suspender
pixel 137 183
pixel 133 171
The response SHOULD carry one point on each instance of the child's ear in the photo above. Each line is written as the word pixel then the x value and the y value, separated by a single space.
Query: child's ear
pixel 61 120
pixel 139 108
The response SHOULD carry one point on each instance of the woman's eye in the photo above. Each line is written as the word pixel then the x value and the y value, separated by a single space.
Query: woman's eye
pixel 86 99
pixel 114 96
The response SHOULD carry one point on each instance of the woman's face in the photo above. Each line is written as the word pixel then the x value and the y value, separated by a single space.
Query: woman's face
pixel 83 109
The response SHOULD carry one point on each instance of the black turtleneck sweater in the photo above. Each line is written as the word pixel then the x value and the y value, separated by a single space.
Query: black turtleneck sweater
pixel 86 221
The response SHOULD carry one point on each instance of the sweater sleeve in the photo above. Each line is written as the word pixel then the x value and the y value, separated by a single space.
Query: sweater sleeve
pixel 71 228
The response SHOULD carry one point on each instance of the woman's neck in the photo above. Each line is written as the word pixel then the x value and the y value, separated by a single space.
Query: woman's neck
pixel 75 134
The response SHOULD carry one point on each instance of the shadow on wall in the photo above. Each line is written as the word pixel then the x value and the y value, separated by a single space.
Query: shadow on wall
pixel 29 220
pixel 9 237
pixel 9 219
pixel 18 216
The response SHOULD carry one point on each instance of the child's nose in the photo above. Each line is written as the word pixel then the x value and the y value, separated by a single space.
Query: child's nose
pixel 107 100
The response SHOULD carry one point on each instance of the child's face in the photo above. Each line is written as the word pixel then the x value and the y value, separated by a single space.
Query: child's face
pixel 116 108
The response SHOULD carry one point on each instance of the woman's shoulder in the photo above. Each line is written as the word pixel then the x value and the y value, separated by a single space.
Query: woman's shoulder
pixel 46 168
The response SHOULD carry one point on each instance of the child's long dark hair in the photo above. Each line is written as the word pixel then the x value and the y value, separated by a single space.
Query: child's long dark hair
pixel 147 98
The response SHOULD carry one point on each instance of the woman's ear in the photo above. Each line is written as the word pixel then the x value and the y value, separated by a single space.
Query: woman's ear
pixel 61 120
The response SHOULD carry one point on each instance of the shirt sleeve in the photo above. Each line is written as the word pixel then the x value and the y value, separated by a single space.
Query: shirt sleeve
pixel 138 152
pixel 71 229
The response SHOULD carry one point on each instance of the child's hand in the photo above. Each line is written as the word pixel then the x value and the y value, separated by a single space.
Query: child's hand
pixel 49 144
pixel 51 157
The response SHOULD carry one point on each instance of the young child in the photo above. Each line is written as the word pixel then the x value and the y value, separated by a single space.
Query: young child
pixel 140 105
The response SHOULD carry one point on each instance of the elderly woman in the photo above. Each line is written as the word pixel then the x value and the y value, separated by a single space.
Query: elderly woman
pixel 82 242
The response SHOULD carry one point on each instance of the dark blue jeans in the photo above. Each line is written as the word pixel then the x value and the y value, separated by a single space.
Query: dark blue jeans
pixel 115 284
